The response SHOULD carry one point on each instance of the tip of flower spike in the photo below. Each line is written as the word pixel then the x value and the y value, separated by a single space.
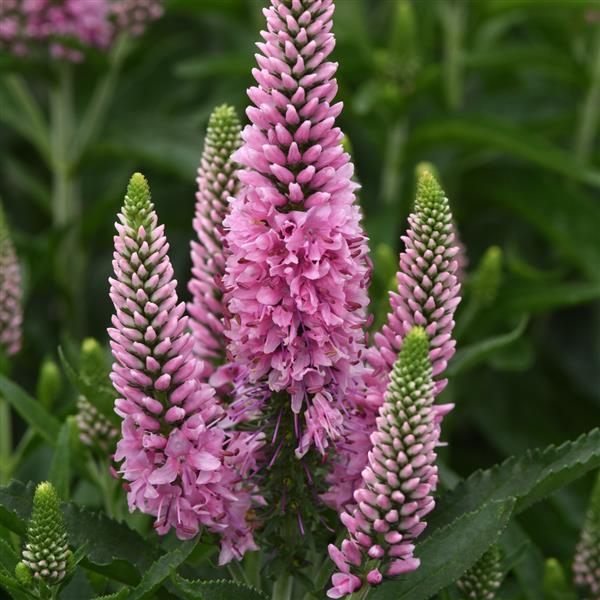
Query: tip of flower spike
pixel 224 128
pixel 45 491
pixel 429 191
pixel 426 167
pixel 137 205
pixel 224 114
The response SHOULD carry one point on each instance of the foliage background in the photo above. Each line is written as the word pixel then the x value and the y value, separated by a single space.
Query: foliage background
pixel 503 96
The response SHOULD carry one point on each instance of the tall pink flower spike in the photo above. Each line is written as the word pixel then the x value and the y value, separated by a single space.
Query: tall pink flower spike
pixel 180 465
pixel 398 481
pixel 11 310
pixel 297 273
pixel 67 26
pixel 427 296
pixel 216 183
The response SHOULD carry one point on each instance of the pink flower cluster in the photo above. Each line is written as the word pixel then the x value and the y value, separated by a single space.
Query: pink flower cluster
pixel 427 296
pixel 398 481
pixel 182 467
pixel 11 315
pixel 69 26
pixel 297 274
pixel 586 565
pixel 216 183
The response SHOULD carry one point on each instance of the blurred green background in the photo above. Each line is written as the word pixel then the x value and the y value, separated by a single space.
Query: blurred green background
pixel 502 96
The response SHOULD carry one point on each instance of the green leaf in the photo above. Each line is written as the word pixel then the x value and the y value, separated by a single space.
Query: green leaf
pixel 31 410
pixel 470 356
pixel 113 549
pixel 120 595
pixel 102 396
pixel 499 135
pixel 60 470
pixel 449 552
pixel 8 557
pixel 216 590
pixel 528 478
pixel 13 587
pixel 162 569
pixel 563 214
pixel 518 297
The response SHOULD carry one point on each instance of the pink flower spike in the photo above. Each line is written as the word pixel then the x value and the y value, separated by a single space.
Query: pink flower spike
pixel 297 273
pixel 216 183
pixel 407 433
pixel 173 451
pixel 11 311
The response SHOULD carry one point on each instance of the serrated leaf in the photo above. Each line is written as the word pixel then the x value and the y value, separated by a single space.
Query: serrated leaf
pixel 31 410
pixel 101 396
pixel 120 595
pixel 474 354
pixel 162 569
pixel 527 478
pixel 8 557
pixel 60 469
pixel 449 552
pixel 216 590
pixel 13 587
pixel 113 548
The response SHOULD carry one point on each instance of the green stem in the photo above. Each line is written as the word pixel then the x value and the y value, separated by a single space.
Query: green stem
pixel 237 572
pixel 391 178
pixel 64 203
pixel 283 587
pixel 361 594
pixel 453 24
pixel 588 124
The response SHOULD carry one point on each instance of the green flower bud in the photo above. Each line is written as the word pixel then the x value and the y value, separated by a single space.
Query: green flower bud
pixel 49 384
pixel 482 580
pixel 46 552
pixel 23 574
pixel 486 280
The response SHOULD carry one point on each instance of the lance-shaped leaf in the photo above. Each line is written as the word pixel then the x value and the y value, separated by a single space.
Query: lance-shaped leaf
pixel 216 590
pixel 528 478
pixel 449 552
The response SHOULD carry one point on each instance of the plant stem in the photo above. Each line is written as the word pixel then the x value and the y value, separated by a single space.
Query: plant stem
pixel 588 124
pixel 282 588
pixel 391 178
pixel 65 199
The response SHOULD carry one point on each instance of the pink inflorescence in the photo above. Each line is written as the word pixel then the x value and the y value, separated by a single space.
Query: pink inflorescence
pixel 217 182
pixel 67 27
pixel 586 565
pixel 182 467
pixel 11 315
pixel 427 296
pixel 398 481
pixel 297 273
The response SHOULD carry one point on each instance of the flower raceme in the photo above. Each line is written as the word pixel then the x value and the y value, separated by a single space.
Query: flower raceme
pixel 11 316
pixel 427 296
pixel 180 465
pixel 398 481
pixel 297 272
pixel 586 565
pixel 68 25
pixel 216 183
